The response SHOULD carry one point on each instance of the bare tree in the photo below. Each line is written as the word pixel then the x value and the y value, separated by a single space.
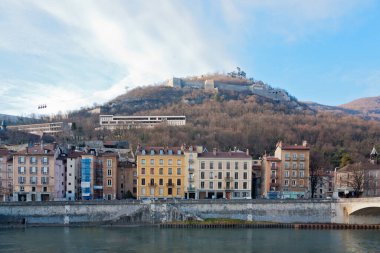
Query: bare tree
pixel 356 179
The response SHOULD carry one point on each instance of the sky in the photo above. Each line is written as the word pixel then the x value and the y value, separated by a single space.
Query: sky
pixel 72 54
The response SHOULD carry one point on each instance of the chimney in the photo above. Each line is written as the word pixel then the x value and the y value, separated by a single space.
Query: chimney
pixel 247 151
pixel 214 151
pixel 304 143
pixel 279 144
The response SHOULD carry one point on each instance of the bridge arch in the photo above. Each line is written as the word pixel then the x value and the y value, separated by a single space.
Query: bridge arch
pixel 365 215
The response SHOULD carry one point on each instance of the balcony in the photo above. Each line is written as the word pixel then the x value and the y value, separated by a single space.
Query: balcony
pixel 191 161
pixel 229 179
pixel 191 179
pixel 170 185
pixel 273 177
pixel 152 185
pixel 287 158
pixel 274 184
pixel 273 167
pixel 191 189
pixel 191 169
pixel 228 188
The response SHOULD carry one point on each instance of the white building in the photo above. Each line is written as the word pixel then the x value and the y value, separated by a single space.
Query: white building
pixel 47 128
pixel 73 176
pixel 112 122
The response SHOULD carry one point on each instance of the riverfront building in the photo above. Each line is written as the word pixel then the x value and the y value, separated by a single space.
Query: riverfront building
pixel 113 122
pixel 34 173
pixel 160 172
pixel 127 179
pixel 6 174
pixel 73 175
pixel 224 175
pixel 286 174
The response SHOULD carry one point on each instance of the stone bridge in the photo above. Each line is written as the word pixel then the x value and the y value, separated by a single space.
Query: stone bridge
pixel 356 211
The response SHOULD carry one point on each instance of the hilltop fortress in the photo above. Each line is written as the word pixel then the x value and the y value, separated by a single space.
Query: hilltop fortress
pixel 234 81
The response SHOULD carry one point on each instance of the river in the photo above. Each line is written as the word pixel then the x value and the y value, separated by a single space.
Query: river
pixel 153 239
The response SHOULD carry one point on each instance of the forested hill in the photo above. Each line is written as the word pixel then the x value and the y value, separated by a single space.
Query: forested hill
pixel 231 119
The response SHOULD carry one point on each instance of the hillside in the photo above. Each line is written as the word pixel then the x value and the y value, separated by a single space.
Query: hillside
pixel 369 106
pixel 365 108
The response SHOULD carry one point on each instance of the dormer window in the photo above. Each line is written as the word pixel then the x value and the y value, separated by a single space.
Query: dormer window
pixel 161 152
pixel 143 152
pixel 170 152
pixel 152 152
pixel 46 151
pixel 178 152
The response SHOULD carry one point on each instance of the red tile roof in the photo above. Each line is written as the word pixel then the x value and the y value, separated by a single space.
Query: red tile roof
pixel 225 155
pixel 295 147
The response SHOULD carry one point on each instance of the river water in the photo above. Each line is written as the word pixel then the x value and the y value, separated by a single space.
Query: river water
pixel 153 239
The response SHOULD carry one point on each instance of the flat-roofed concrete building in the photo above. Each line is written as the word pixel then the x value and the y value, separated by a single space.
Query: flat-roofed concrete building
pixel 52 128
pixel 113 122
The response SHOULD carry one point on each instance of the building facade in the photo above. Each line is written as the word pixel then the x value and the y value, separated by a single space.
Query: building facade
pixel 113 122
pixel 6 174
pixel 127 179
pixel 34 173
pixel 224 175
pixel 160 172
pixel 286 174
pixel 109 162
pixel 73 189
pixel 52 128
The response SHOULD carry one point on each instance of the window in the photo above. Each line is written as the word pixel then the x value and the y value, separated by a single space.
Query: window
pixel 211 184
pixel 236 175
pixel 151 182
pixel 228 165
pixel 228 175
pixel 143 191
pixel 161 152
pixel 34 189
pixel 33 180
pixel 236 185
pixel 211 165
pixel 302 174
pixel 294 173
pixel 161 191
pixel 170 191
pixel 151 161
pixel 143 181
pixel 142 171
pixel 22 188
pixel 245 185
pixel 45 180
pixel 109 172
pixel 135 173
pixel 294 166
pixel 286 165
pixel 245 165
pixel 33 160
pixel 143 161
pixel 202 165
pixel 294 182
pixel 109 182
pixel 151 152
pixel 286 182
pixel 301 183
pixel 202 185
pixel 45 160
pixel 161 161
pixel 152 191
pixel 302 166
pixel 219 185
pixel 21 180
pixel 170 162
pixel 245 175
pixel 179 162
pixel 21 170
pixel 211 175
pixel 287 156
pixel 170 171
pixel 21 159
pixel 170 182
pixel 178 191
pixel 294 156
pixel 178 181
pixel 202 175
pixel 219 165
pixel 236 165
pixel 161 171
pixel 302 157
pixel 220 175
pixel 178 171
pixel 161 181
pixel 286 173
pixel 170 152
pixel 109 162
pixel 152 171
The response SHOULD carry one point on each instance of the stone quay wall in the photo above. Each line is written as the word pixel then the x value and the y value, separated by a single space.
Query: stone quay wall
pixel 155 212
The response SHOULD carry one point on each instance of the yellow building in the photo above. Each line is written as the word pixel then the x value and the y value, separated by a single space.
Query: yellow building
pixel 160 172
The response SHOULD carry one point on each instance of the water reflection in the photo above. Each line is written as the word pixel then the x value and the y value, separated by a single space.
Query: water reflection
pixel 149 239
